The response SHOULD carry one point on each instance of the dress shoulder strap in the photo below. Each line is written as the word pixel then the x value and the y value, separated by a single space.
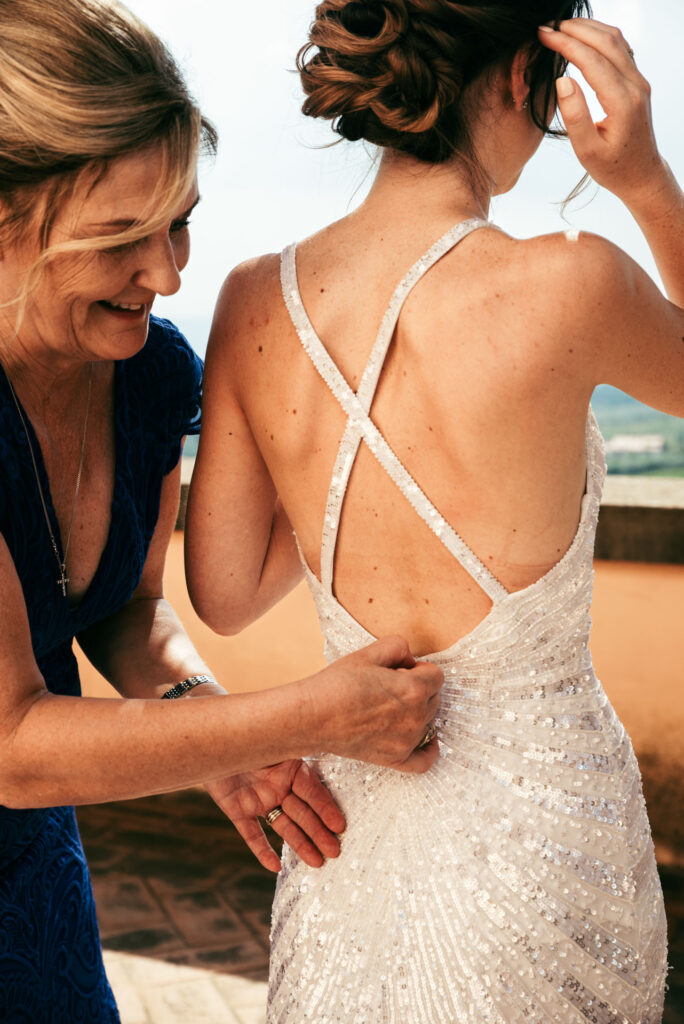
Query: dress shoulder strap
pixel 359 424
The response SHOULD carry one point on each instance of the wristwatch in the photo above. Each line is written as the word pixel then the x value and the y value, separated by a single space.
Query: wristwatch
pixel 187 684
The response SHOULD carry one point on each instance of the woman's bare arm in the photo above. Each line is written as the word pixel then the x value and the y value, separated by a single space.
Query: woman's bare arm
pixel 143 650
pixel 632 336
pixel 240 552
pixel 60 750
pixel 659 212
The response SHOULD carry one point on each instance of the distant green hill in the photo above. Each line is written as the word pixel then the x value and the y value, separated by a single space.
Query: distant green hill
pixel 618 413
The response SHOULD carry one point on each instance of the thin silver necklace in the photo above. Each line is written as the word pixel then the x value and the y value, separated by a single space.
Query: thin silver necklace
pixel 61 562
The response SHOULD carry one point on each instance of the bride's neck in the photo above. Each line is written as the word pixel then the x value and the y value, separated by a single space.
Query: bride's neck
pixel 406 185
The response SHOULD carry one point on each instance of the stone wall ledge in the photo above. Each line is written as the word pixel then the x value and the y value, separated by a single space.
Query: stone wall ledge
pixel 642 518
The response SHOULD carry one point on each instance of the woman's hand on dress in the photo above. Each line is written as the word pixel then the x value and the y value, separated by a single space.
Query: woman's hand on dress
pixel 620 152
pixel 377 705
pixel 310 818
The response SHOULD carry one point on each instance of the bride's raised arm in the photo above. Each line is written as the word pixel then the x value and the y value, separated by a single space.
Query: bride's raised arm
pixel 640 346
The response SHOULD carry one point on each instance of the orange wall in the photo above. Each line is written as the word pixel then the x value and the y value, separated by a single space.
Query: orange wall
pixel 638 648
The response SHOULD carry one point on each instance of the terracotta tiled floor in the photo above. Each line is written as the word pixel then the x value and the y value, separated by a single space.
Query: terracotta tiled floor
pixel 184 913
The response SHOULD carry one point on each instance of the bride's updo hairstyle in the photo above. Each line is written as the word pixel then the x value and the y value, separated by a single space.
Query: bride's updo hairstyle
pixel 83 83
pixel 395 72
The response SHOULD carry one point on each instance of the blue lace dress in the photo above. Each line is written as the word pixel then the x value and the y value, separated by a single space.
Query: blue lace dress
pixel 51 969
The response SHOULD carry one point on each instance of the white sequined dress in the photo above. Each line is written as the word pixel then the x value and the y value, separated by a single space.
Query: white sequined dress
pixel 515 882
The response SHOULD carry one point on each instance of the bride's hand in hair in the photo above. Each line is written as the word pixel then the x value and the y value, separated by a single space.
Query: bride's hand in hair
pixel 620 152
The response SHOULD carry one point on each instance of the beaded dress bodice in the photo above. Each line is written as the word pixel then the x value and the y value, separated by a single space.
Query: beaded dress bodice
pixel 515 881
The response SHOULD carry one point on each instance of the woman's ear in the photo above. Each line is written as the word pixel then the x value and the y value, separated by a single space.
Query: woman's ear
pixel 519 87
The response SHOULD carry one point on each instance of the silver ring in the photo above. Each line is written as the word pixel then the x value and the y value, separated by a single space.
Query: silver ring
pixel 272 815
pixel 428 737
pixel 630 51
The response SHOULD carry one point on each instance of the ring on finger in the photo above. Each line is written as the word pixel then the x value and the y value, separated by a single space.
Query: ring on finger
pixel 428 737
pixel 630 51
pixel 272 815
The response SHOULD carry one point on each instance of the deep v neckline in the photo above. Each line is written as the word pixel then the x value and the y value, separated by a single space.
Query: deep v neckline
pixel 74 610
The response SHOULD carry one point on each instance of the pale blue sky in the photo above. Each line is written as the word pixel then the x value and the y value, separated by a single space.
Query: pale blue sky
pixel 270 185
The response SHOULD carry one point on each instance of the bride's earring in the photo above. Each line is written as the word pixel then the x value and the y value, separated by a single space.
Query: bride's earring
pixel 526 104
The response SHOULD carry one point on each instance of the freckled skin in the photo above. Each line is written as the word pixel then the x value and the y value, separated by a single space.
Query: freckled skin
pixel 481 396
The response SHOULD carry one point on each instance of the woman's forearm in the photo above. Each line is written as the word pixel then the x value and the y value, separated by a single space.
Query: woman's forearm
pixel 143 649
pixel 620 151
pixel 72 750
pixel 374 705
pixel 659 212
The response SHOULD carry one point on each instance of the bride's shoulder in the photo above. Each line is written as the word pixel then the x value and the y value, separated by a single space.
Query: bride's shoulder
pixel 253 276
pixel 247 298
pixel 579 285
pixel 568 260
pixel 571 274
pixel 572 265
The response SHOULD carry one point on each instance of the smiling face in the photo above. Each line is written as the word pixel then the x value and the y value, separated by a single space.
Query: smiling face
pixel 95 305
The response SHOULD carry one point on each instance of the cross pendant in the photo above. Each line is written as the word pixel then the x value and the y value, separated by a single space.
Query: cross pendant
pixel 63 582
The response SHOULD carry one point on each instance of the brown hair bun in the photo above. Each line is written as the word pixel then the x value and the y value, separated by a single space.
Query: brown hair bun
pixel 392 72
pixel 374 66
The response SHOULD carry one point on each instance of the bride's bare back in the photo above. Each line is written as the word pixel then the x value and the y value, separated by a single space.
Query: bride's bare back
pixel 483 398
pixel 485 390
pixel 477 399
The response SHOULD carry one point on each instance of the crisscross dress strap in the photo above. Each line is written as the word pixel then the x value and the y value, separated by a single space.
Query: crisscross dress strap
pixel 359 424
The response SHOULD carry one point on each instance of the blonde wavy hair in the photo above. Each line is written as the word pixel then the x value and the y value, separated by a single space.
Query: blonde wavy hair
pixel 82 83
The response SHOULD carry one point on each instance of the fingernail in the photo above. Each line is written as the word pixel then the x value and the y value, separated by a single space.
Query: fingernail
pixel 545 28
pixel 565 87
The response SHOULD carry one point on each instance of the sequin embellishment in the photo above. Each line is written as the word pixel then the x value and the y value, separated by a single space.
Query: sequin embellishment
pixel 514 883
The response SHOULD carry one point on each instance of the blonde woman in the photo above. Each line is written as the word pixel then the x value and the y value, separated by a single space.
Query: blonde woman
pixel 445 480
pixel 98 150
